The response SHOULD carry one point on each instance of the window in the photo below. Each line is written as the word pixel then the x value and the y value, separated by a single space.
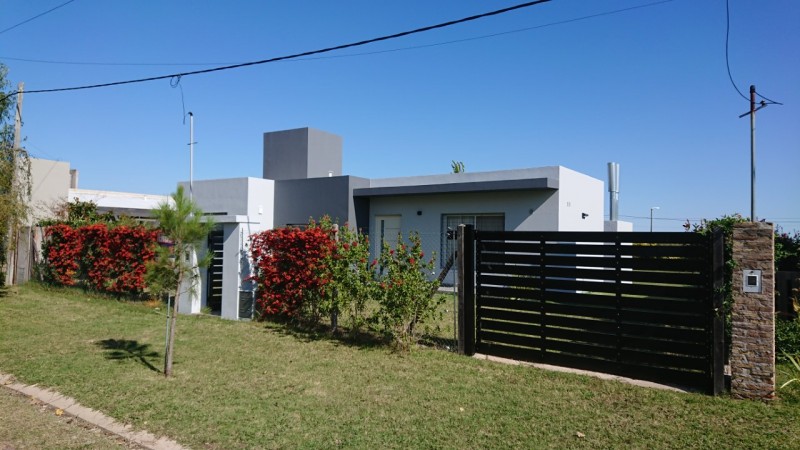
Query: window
pixel 450 223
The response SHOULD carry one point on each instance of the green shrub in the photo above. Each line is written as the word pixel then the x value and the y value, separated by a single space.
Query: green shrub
pixel 794 360
pixel 406 294
pixel 787 337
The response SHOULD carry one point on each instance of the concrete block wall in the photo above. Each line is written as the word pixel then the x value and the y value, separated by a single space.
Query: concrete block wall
pixel 753 314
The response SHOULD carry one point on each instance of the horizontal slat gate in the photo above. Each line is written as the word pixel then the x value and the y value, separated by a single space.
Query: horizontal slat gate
pixel 216 242
pixel 632 304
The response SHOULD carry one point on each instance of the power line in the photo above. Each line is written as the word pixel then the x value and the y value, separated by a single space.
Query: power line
pixel 36 16
pixel 769 102
pixel 296 55
pixel 414 47
pixel 727 38
pixel 727 59
pixel 95 63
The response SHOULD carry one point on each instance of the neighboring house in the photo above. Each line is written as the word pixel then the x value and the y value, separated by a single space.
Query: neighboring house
pixel 50 183
pixel 302 179
pixel 135 206
pixel 53 184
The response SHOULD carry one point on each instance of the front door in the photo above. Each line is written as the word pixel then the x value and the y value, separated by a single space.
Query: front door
pixel 387 227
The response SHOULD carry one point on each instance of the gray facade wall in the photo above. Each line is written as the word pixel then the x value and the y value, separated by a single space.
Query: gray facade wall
pixel 301 153
pixel 523 210
pixel 298 200
pixel 220 197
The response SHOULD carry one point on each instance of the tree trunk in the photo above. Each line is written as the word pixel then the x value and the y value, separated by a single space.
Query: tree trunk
pixel 171 340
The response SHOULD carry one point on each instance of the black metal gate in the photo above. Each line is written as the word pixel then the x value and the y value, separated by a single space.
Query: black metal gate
pixel 641 305
pixel 214 273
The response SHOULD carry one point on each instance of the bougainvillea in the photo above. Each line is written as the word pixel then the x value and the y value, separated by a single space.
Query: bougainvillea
pixel 289 268
pixel 110 260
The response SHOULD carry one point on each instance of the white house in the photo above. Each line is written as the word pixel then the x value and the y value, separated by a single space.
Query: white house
pixel 302 179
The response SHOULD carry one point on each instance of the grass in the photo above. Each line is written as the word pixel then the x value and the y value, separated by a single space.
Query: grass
pixel 250 385
pixel 29 424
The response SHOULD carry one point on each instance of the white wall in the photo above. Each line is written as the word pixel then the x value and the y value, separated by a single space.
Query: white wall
pixel 261 201
pixel 579 194
pixel 248 207
pixel 49 187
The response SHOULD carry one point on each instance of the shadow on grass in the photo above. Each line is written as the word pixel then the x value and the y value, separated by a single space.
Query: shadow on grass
pixel 363 339
pixel 322 332
pixel 123 349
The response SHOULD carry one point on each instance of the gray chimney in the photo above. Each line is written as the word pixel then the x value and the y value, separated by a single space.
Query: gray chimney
pixel 73 178
pixel 613 191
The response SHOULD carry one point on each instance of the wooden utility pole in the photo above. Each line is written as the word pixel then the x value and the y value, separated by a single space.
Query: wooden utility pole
pixel 752 153
pixel 18 116
pixel 11 239
pixel 752 114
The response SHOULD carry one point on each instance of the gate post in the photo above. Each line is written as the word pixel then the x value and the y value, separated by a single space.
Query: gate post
pixel 718 350
pixel 466 290
pixel 753 314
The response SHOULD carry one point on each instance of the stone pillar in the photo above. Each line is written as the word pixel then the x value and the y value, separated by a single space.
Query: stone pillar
pixel 753 315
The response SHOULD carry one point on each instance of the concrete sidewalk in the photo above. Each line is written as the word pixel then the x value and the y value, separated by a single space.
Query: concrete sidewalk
pixel 95 418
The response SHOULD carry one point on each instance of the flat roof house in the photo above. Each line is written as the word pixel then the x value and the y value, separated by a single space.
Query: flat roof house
pixel 302 179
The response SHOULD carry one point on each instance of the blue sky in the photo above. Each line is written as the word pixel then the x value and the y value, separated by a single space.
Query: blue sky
pixel 647 88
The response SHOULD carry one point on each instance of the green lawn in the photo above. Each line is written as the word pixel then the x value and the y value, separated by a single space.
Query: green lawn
pixel 27 424
pixel 250 385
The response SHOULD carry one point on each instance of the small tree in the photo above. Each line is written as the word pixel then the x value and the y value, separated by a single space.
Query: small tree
pixel 173 269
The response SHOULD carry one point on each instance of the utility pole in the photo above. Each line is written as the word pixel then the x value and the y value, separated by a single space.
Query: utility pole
pixel 191 155
pixel 752 114
pixel 651 217
pixel 11 253
pixel 752 153
pixel 18 118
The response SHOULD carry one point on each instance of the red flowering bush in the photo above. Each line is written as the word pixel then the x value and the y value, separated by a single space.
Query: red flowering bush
pixel 110 260
pixel 115 259
pixel 310 273
pixel 289 268
pixel 61 250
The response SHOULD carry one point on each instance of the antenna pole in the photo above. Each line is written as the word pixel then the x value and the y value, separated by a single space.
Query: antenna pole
pixel 191 156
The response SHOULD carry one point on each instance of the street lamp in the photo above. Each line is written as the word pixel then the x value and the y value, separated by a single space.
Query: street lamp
pixel 651 217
